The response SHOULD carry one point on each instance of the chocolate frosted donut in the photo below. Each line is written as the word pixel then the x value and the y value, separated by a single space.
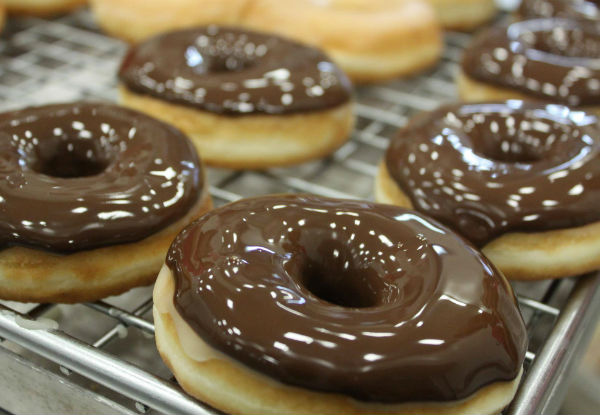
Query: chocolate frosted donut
pixel 78 177
pixel 556 60
pixel 232 71
pixel 367 301
pixel 576 9
pixel 201 78
pixel 487 170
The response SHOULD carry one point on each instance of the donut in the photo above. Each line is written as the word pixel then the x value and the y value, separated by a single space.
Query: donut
pixel 303 304
pixel 91 197
pixel 577 9
pixel 554 60
pixel 519 179
pixel 137 20
pixel 464 14
pixel 41 7
pixel 370 40
pixel 246 99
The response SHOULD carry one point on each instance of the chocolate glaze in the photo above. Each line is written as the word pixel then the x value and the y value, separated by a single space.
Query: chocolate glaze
pixel 553 59
pixel 575 9
pixel 231 71
pixel 487 169
pixel 79 176
pixel 371 301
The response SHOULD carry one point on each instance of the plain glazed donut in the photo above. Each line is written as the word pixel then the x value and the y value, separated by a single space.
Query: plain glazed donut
pixel 550 59
pixel 521 180
pixel 42 7
pixel 464 14
pixel 137 20
pixel 571 9
pixel 92 197
pixel 370 309
pixel 371 40
pixel 246 99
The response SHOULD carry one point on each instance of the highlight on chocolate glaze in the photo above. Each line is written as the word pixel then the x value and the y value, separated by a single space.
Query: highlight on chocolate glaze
pixel 574 9
pixel 232 71
pixel 371 301
pixel 85 175
pixel 549 58
pixel 487 169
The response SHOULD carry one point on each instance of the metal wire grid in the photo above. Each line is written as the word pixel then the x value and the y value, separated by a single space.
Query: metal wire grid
pixel 67 59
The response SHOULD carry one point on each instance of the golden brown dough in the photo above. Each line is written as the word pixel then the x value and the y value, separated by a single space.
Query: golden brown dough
pixel 464 14
pixel 33 275
pixel 407 38
pixel 42 7
pixel 136 20
pixel 254 141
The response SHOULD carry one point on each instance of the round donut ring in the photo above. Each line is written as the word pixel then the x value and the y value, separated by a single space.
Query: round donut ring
pixel 246 99
pixel 551 59
pixel 519 179
pixel 92 197
pixel 354 293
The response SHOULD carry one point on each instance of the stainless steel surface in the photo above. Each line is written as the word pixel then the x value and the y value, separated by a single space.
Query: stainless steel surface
pixel 99 366
pixel 19 377
pixel 543 389
pixel 107 347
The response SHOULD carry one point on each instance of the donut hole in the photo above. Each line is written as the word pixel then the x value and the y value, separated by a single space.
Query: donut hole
pixel 231 63
pixel 220 56
pixel 334 273
pixel 506 150
pixel 515 138
pixel 69 158
pixel 344 287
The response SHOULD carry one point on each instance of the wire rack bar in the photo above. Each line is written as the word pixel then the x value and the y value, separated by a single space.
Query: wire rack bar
pixel 101 367
pixel 124 317
pixel 129 319
pixel 543 388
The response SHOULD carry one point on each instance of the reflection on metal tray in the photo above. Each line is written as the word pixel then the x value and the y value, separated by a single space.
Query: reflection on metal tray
pixel 103 359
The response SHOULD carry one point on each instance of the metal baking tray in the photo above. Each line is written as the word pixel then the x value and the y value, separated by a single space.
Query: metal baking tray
pixel 102 358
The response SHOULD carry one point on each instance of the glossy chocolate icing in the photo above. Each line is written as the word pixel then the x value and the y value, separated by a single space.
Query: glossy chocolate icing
pixel 553 59
pixel 576 9
pixel 487 169
pixel 371 301
pixel 231 71
pixel 79 176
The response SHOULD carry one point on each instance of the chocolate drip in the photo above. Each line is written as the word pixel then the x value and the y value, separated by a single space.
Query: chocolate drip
pixel 371 301
pixel 488 169
pixel 80 176
pixel 554 59
pixel 573 9
pixel 234 72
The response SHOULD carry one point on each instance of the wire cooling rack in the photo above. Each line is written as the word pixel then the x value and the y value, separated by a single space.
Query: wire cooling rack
pixel 102 357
